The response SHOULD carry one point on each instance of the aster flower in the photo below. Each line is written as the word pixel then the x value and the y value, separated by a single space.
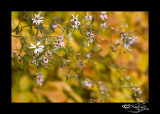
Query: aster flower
pixel 103 15
pixel 90 37
pixel 56 46
pixel 88 17
pixel 103 25
pixel 60 43
pixel 18 56
pixel 45 60
pixel 39 79
pixel 35 62
pixel 14 53
pixel 37 19
pixel 75 21
pixel 87 84
pixel 128 40
pixel 90 34
pixel 55 26
pixel 74 18
pixel 49 53
pixel 90 40
pixel 139 90
pixel 37 48
pixel 88 55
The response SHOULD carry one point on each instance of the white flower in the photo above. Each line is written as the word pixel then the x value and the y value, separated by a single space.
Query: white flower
pixel 70 37
pixel 55 26
pixel 49 53
pixel 103 15
pixel 74 18
pixel 37 48
pixel 45 60
pixel 90 34
pixel 59 43
pixel 103 25
pixel 35 62
pixel 37 19
pixel 128 77
pixel 128 40
pixel 90 40
pixel 88 17
pixel 86 83
pixel 99 46
pixel 139 91
pixel 56 46
pixel 40 79
pixel 88 55
pixel 102 92
pixel 75 21
pixel 18 56
pixel 75 24
pixel 90 37
pixel 14 53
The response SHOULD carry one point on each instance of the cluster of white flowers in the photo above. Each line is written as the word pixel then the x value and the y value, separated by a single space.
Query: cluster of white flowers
pixel 39 78
pixel 35 62
pixel 75 22
pixel 139 90
pixel 90 37
pixel 59 43
pixel 128 40
pixel 103 26
pixel 102 88
pixel 37 19
pixel 16 55
pixel 103 17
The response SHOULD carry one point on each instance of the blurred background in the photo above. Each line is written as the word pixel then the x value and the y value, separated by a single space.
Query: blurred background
pixel 56 88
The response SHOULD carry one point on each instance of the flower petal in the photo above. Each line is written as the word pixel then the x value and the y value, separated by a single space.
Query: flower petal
pixel 38 43
pixel 41 46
